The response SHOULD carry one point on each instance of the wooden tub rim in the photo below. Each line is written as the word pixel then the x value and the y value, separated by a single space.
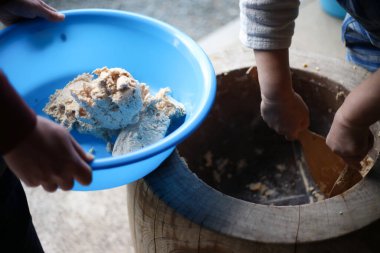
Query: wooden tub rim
pixel 313 222
pixel 319 221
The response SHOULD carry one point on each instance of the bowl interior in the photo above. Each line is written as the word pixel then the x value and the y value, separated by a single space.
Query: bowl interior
pixel 236 153
pixel 39 57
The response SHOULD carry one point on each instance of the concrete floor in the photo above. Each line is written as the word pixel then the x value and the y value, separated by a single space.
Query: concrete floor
pixel 197 18
pixel 97 221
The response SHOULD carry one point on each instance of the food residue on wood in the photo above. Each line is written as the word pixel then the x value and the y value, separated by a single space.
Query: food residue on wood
pixel 366 164
pixel 281 167
pixel 256 186
pixel 208 158
pixel 217 176
pixel 262 188
pixel 316 194
pixel 340 95
pixel 241 165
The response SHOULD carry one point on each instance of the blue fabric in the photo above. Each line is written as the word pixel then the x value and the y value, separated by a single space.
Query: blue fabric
pixel 361 32
pixel 366 12
pixel 363 48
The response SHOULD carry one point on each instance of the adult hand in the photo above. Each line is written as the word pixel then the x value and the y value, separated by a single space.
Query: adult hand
pixel 50 157
pixel 287 116
pixel 12 11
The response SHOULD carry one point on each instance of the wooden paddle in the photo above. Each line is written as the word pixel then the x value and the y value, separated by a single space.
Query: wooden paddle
pixel 328 170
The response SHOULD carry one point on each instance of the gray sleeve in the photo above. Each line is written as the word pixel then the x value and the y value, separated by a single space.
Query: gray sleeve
pixel 267 24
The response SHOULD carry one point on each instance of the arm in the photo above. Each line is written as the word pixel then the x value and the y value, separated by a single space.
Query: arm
pixel 282 108
pixel 267 27
pixel 349 135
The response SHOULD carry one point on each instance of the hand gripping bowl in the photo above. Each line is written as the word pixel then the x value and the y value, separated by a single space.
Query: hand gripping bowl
pixel 39 57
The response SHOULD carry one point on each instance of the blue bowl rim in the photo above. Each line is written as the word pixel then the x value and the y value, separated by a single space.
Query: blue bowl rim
pixel 191 124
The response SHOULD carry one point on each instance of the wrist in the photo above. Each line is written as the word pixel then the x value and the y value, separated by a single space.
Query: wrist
pixel 342 118
pixel 277 87
pixel 274 74
pixel 278 97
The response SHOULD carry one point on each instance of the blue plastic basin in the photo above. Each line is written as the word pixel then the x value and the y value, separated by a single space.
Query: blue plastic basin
pixel 39 57
pixel 333 8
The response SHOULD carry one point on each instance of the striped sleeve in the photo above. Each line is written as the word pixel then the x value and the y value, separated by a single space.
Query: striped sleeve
pixel 267 24
pixel 363 49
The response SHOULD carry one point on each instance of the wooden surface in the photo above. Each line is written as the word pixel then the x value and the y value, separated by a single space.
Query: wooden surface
pixel 172 210
pixel 243 226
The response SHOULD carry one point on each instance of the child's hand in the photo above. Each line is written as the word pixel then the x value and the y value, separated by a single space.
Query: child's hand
pixel 50 157
pixel 287 117
pixel 281 108
pixel 350 142
pixel 13 10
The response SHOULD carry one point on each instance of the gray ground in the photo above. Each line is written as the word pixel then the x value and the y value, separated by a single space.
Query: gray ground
pixel 197 18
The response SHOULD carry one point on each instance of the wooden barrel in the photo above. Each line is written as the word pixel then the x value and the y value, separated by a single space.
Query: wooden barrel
pixel 186 205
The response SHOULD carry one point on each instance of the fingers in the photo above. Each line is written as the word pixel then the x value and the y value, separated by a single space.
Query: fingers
pixel 75 167
pixel 50 187
pixel 49 13
pixel 350 158
pixel 50 157
pixel 287 119
pixel 45 5
pixel 80 171
pixel 85 156
pixel 353 163
pixel 84 173
pixel 292 134
pixel 15 11
pixel 65 184
pixel 295 135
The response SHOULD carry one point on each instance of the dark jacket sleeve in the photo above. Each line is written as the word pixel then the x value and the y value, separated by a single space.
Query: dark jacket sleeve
pixel 17 119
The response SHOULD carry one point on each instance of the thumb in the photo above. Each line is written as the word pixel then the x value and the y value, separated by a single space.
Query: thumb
pixel 49 13
pixel 85 156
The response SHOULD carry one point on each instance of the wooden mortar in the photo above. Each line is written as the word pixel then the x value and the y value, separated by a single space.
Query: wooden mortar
pixel 174 210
